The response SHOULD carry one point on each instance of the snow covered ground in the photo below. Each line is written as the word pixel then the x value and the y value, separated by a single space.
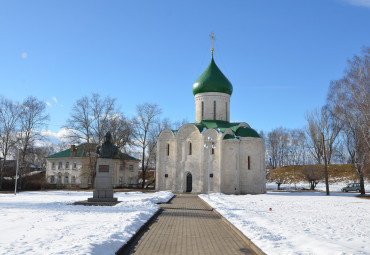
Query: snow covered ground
pixel 299 222
pixel 335 187
pixel 46 222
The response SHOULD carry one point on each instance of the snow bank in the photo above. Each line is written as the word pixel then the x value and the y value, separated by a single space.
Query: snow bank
pixel 47 223
pixel 299 223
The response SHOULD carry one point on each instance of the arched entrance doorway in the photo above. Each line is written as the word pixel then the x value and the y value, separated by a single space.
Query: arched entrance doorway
pixel 189 182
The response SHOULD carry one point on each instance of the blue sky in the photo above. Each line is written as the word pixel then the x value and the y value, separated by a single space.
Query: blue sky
pixel 280 56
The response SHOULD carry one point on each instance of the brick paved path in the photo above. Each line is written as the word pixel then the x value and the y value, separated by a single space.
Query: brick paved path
pixel 187 226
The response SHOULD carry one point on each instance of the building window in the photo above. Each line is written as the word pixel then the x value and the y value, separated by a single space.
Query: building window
pixel 213 149
pixel 120 181
pixel 66 179
pixel 168 149
pixel 53 165
pixel 121 167
pixel 131 168
pixel 190 149
pixel 131 180
pixel 214 110
pixel 74 165
pixel 59 179
pixel 89 180
pixel 73 179
pixel 67 165
pixel 226 111
pixel 202 110
pixel 249 163
pixel 60 165
pixel 52 179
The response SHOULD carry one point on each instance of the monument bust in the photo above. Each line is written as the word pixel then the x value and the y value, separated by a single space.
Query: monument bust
pixel 107 149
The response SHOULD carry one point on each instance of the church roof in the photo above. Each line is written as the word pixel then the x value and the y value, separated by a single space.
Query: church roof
pixel 212 80
pixel 221 126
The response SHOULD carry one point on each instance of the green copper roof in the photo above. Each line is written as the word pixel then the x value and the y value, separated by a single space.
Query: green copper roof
pixel 212 80
pixel 216 124
pixel 228 137
pixel 80 151
pixel 246 132
pixel 223 125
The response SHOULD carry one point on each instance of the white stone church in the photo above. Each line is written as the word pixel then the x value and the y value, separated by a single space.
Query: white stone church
pixel 212 154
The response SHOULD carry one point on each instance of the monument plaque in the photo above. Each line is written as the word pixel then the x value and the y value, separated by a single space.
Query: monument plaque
pixel 103 168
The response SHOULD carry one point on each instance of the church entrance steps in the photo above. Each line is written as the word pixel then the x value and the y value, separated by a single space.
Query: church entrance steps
pixel 187 225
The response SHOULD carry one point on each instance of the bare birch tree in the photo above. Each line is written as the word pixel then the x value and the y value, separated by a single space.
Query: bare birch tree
pixel 350 100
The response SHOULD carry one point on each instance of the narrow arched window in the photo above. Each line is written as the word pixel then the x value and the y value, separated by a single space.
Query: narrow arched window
pixel 249 163
pixel 226 111
pixel 214 110
pixel 213 149
pixel 202 110
pixel 190 149
pixel 168 149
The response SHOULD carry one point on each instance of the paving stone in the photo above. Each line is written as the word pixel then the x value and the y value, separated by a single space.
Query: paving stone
pixel 187 226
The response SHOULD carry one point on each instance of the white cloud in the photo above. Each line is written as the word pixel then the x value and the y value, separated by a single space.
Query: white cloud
pixel 48 103
pixel 362 3
pixel 55 99
pixel 55 138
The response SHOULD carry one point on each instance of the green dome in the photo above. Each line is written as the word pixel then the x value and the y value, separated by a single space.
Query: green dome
pixel 212 80
pixel 246 132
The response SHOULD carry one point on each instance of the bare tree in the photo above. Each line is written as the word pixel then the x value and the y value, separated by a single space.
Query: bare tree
pixel 277 146
pixel 322 122
pixel 103 109
pixel 144 129
pixel 32 118
pixel 279 176
pixel 313 174
pixel 121 130
pixel 350 99
pixel 88 121
pixel 9 116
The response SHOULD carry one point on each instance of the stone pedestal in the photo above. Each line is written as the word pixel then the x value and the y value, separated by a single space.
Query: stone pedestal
pixel 103 191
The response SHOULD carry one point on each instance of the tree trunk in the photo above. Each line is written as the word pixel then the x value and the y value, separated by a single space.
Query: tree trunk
pixel 143 170
pixel 2 173
pixel 362 185
pixel 279 186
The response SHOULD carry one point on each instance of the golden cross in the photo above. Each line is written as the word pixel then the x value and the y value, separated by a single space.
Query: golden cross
pixel 213 38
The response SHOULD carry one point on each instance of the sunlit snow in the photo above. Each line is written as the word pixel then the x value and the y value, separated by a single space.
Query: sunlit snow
pixel 46 222
pixel 299 222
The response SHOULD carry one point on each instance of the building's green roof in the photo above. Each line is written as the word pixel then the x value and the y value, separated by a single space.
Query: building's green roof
pixel 221 126
pixel 226 137
pixel 246 132
pixel 216 124
pixel 81 151
pixel 212 80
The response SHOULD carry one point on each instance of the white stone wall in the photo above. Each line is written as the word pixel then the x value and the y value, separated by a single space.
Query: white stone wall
pixel 222 106
pixel 228 164
pixel 253 180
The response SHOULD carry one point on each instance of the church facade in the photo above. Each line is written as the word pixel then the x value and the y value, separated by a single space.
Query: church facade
pixel 212 154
